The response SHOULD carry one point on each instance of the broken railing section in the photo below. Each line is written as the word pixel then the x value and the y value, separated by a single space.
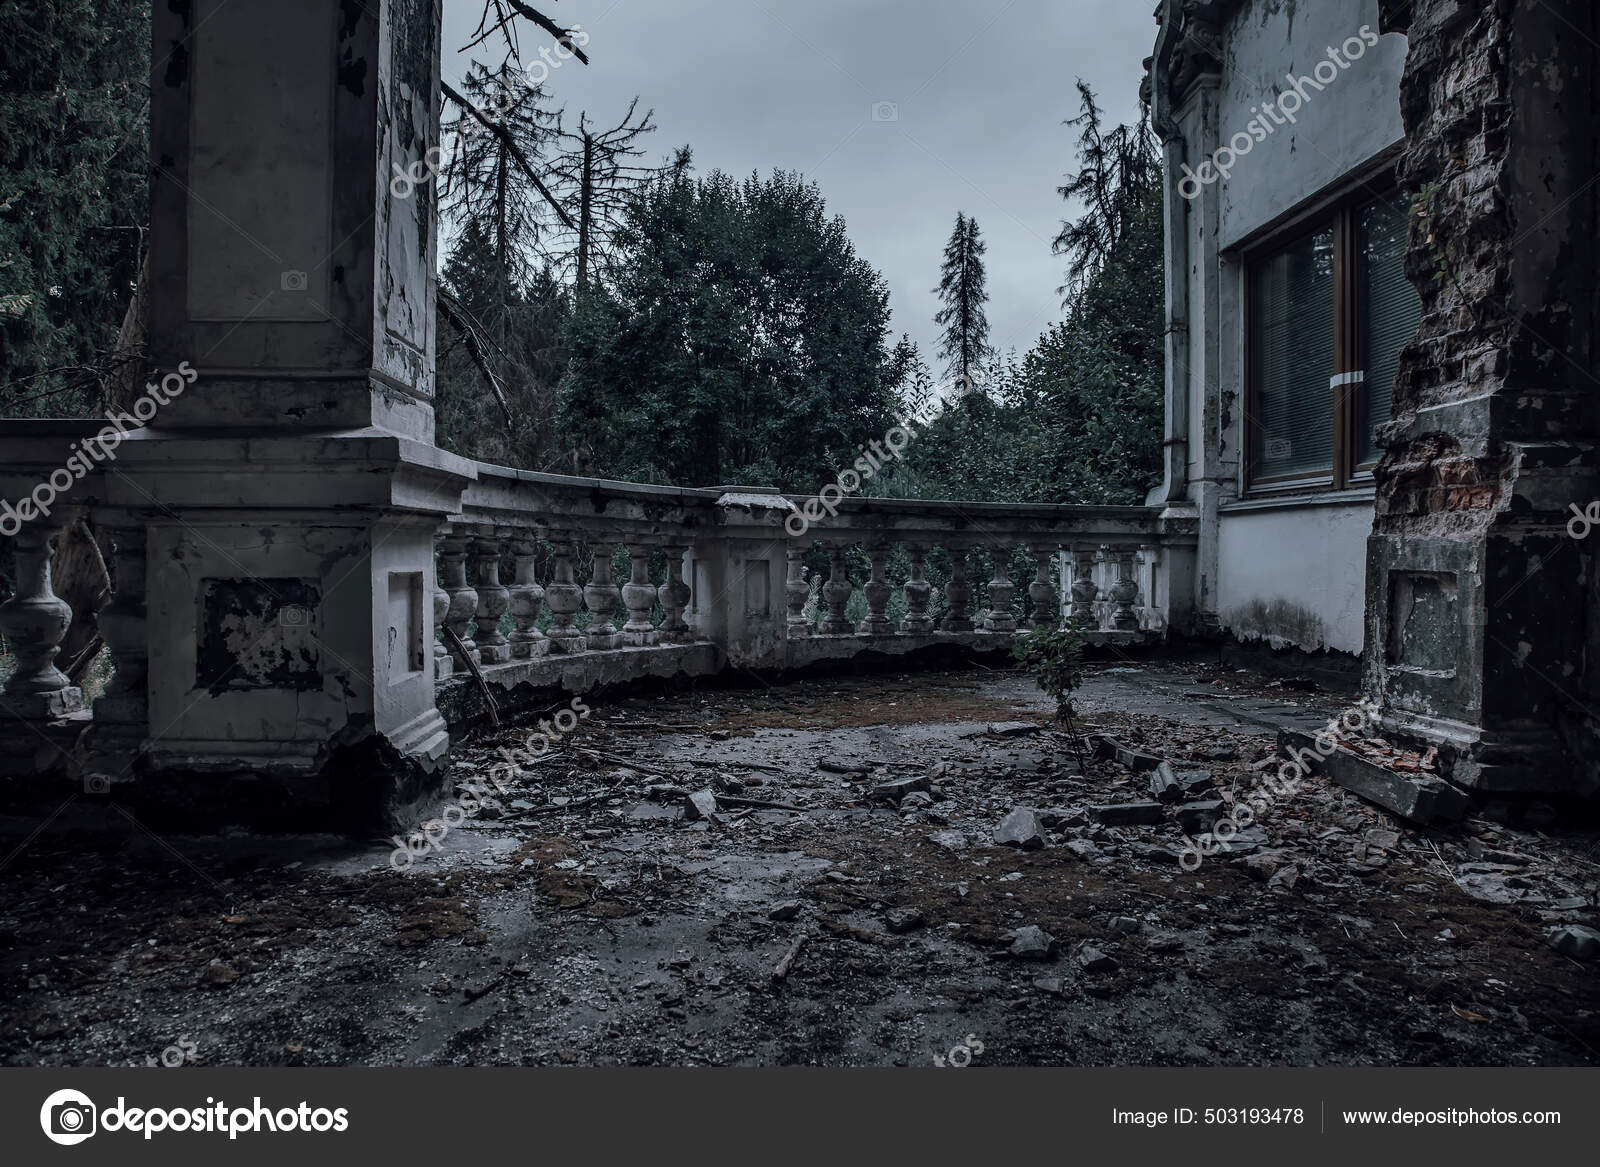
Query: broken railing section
pixel 531 582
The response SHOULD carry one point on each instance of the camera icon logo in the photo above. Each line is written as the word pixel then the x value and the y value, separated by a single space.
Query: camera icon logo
pixel 293 281
pixel 294 616
pixel 97 784
pixel 1278 449
pixel 68 1117
pixel 885 111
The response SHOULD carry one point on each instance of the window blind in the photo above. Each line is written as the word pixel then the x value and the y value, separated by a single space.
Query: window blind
pixel 1292 359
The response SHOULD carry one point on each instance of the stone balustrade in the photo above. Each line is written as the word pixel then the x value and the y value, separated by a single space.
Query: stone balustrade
pixel 544 582
pixel 731 584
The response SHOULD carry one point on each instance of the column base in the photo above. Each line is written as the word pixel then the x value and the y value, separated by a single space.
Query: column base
pixel 41 706
pixel 531 649
pixel 569 641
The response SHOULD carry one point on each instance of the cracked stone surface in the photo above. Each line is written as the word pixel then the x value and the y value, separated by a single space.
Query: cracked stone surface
pixel 609 928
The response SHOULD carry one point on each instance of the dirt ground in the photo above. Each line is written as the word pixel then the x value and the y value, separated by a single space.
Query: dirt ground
pixel 610 927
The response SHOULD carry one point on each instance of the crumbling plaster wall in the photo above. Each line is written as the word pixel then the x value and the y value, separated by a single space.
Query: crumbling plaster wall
pixel 1493 434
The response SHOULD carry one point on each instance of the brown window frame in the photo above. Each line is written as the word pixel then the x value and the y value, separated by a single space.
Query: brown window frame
pixel 1349 358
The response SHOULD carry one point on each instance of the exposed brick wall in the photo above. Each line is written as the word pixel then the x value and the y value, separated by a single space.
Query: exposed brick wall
pixel 1455 103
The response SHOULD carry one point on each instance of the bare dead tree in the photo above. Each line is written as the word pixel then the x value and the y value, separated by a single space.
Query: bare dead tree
pixel 595 174
pixel 500 16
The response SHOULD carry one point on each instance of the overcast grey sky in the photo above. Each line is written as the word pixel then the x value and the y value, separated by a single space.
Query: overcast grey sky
pixel 977 90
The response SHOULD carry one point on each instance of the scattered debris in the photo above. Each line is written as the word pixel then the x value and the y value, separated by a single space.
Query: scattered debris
pixel 1020 828
pixel 1411 793
pixel 1033 943
pixel 1575 940
pixel 786 962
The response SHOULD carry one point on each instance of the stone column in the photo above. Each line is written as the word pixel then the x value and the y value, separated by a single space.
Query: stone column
pixel 527 642
pixel 1046 613
pixel 493 600
pixel 463 599
pixel 918 591
pixel 564 598
pixel 291 288
pixel 877 591
pixel 1084 589
pixel 640 598
pixel 796 594
pixel 837 593
pixel 674 595
pixel 1001 590
pixel 35 620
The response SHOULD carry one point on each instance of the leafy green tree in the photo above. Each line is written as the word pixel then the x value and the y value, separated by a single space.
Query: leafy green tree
pixel 963 291
pixel 74 101
pixel 741 339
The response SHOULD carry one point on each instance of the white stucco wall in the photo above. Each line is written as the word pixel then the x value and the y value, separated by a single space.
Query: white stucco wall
pixel 1352 120
pixel 1295 575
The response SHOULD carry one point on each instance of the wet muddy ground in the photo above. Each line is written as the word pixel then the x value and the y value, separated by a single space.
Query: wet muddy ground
pixel 590 918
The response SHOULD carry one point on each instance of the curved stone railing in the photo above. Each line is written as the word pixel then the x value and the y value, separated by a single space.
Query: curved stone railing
pixel 239 638
pixel 737 591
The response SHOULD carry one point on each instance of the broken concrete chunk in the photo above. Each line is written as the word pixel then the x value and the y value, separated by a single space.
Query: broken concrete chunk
pixel 905 919
pixel 787 910
pixel 1063 816
pixel 1020 828
pixel 1091 959
pixel 702 804
pixel 1164 785
pixel 1083 849
pixel 898 789
pixel 1129 814
pixel 1033 943
pixel 1194 781
pixel 1576 940
pixel 1388 840
pixel 916 800
pixel 833 767
pixel 949 840
pixel 1417 797
pixel 1198 817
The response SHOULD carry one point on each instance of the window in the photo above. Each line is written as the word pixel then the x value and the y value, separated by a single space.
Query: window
pixel 1327 314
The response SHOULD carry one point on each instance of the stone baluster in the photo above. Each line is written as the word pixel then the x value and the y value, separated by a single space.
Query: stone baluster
pixel 35 621
pixel 124 709
pixel 602 596
pixel 527 642
pixel 493 600
pixel 1084 589
pixel 640 598
pixel 1124 592
pixel 837 592
pixel 1046 612
pixel 877 591
pixel 443 665
pixel 674 595
pixel 918 592
pixel 999 617
pixel 956 594
pixel 564 598
pixel 463 599
pixel 795 593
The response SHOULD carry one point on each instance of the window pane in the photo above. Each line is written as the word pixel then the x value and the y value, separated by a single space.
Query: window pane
pixel 1389 311
pixel 1292 359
